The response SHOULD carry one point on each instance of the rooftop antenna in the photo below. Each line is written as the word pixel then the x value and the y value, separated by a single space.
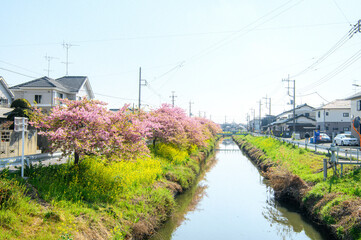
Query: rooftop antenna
pixel 67 46
pixel 48 59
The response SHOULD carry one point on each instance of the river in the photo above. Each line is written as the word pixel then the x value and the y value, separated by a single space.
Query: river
pixel 231 200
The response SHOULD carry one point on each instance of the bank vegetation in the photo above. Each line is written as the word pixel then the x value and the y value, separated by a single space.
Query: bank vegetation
pixel 121 181
pixel 296 175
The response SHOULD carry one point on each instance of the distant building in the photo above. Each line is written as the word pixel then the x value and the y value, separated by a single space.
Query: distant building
pixel 355 109
pixel 232 127
pixel 334 117
pixel 304 122
pixel 6 96
pixel 44 91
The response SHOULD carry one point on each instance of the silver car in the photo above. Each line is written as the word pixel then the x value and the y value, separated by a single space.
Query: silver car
pixel 345 139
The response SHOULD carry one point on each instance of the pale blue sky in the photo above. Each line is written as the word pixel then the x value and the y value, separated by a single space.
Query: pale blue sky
pixel 222 55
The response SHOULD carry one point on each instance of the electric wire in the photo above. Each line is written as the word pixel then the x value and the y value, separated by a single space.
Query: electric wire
pixel 336 71
pixel 335 47
pixel 240 32
pixel 22 74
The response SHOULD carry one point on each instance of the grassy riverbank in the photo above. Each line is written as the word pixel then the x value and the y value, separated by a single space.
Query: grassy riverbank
pixel 297 174
pixel 99 198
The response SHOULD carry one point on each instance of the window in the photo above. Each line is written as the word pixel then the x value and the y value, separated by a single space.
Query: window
pixel 358 105
pixel 335 129
pixel 345 129
pixel 38 98
pixel 326 113
pixel 326 128
pixel 61 95
pixel 319 114
pixel 307 114
pixel 346 114
pixel 3 101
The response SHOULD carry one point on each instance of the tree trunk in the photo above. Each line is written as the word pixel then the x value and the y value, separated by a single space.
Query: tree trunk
pixel 155 150
pixel 76 158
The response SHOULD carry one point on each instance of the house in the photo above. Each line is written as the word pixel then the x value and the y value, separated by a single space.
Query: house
pixel 334 117
pixel 6 96
pixel 254 125
pixel 304 121
pixel 355 109
pixel 44 91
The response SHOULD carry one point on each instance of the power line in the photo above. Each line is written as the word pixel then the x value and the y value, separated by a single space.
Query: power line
pixel 16 72
pixel 336 71
pixel 335 47
pixel 304 95
pixel 17 66
pixel 234 36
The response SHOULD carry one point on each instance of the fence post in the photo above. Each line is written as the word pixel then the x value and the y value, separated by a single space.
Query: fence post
pixel 324 169
pixel 341 169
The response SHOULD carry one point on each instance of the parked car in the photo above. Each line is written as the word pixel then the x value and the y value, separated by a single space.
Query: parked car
pixel 323 138
pixel 345 139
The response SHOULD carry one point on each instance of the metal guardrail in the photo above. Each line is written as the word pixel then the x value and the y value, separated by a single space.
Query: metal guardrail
pixel 353 154
pixel 338 156
pixel 16 161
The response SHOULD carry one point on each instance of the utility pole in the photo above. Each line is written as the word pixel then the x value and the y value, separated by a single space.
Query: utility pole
pixel 48 59
pixel 254 119
pixel 190 108
pixel 225 119
pixel 268 104
pixel 173 97
pixel 67 46
pixel 247 119
pixel 294 98
pixel 260 116
pixel 142 82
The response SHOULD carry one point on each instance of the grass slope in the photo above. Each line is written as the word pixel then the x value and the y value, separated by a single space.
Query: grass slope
pixel 99 198
pixel 335 202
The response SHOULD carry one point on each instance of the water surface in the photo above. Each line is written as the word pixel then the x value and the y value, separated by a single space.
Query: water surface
pixel 231 200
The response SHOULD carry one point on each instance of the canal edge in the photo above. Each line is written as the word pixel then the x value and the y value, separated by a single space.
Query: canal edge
pixel 289 187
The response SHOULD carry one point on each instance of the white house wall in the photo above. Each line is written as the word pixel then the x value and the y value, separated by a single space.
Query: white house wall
pixel 354 112
pixel 4 94
pixel 334 115
pixel 46 98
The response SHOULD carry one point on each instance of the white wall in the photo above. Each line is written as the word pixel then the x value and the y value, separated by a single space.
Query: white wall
pixel 334 115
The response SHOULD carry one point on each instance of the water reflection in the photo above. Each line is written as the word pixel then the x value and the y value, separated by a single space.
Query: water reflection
pixel 231 200
pixel 186 202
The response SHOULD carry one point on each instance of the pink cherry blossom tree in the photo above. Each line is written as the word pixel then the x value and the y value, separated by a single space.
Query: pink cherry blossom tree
pixel 87 127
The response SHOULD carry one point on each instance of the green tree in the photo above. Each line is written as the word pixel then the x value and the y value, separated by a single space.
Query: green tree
pixel 22 108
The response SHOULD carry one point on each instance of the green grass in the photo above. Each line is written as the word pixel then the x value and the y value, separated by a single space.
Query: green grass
pixel 99 196
pixel 298 161
pixel 333 200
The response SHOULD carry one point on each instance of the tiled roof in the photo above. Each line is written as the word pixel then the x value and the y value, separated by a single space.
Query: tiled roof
pixel 337 104
pixel 356 95
pixel 4 112
pixel 43 82
pixel 298 107
pixel 68 83
pixel 73 83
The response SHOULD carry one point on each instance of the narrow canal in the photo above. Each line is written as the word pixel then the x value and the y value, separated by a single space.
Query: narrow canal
pixel 231 200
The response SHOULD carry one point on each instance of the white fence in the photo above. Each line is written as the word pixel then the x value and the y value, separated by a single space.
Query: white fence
pixel 16 161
